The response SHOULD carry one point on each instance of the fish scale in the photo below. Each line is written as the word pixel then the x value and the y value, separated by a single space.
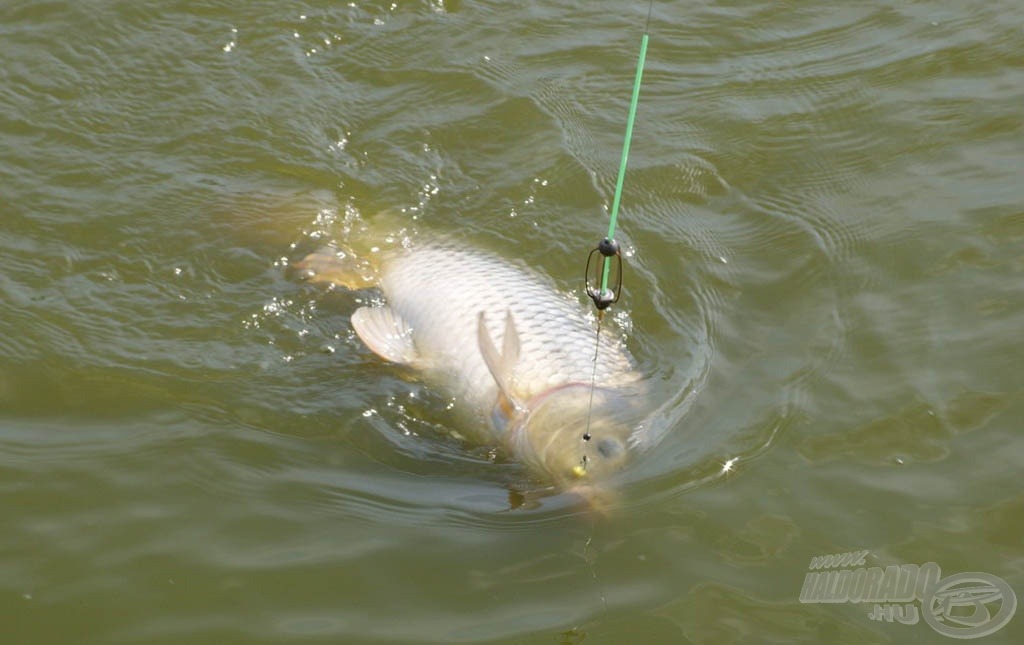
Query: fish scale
pixel 440 289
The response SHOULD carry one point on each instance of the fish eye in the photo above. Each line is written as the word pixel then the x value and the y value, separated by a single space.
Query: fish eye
pixel 609 448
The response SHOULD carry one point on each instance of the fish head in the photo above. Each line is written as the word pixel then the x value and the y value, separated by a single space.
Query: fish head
pixel 577 436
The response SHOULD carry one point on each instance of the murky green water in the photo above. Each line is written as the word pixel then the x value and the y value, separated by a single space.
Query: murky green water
pixel 825 218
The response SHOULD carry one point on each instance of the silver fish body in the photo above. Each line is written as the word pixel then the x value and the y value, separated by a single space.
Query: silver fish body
pixel 514 353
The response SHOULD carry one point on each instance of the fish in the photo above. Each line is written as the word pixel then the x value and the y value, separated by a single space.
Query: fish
pixel 523 361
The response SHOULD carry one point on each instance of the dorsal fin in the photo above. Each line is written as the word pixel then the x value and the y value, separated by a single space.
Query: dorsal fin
pixel 501 367
pixel 386 333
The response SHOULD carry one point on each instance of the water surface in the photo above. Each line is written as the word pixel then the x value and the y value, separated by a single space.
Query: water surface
pixel 824 285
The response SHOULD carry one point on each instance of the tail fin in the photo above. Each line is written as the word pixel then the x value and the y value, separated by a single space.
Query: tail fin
pixel 338 267
pixel 353 263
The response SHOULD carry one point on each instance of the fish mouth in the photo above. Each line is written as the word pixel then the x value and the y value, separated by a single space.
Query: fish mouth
pixel 599 499
pixel 573 434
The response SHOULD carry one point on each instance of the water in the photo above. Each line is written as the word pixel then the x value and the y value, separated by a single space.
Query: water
pixel 823 283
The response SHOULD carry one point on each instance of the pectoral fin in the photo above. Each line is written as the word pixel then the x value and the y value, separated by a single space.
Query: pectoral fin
pixel 501 367
pixel 386 333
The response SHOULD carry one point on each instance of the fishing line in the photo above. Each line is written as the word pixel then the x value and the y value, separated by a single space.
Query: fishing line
pixel 593 571
pixel 590 403
pixel 608 248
